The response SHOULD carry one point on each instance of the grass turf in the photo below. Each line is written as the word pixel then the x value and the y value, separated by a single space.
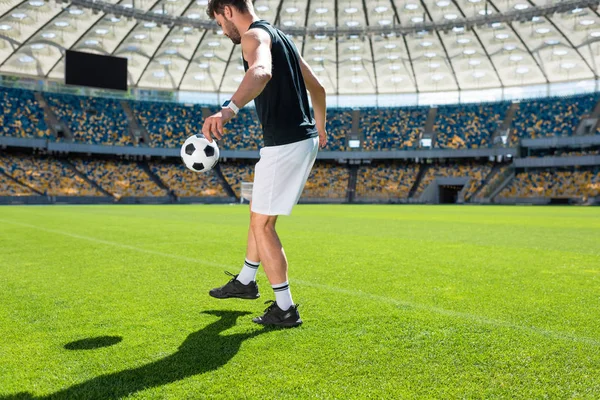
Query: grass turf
pixel 398 302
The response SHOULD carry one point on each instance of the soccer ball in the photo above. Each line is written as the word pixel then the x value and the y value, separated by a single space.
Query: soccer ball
pixel 198 154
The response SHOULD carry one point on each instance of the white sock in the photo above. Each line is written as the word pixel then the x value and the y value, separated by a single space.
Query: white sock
pixel 248 272
pixel 283 296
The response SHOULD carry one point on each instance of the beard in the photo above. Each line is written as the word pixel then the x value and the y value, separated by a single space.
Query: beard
pixel 234 34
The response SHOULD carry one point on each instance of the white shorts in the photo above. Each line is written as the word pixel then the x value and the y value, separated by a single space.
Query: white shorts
pixel 280 176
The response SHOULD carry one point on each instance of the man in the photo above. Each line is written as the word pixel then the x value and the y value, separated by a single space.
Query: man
pixel 277 78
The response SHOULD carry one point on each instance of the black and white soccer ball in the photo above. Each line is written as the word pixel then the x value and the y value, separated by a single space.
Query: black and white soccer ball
pixel 198 154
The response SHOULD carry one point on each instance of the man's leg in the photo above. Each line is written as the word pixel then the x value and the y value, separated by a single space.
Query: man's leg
pixel 252 261
pixel 242 285
pixel 269 247
pixel 252 248
pixel 273 257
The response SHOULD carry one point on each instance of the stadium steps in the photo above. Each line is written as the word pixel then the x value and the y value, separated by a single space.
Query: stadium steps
pixel 596 111
pixel 156 179
pixel 589 123
pixel 226 186
pixel 58 128
pixel 504 128
pixel 137 131
pixel 486 191
pixel 508 120
pixel 500 183
pixel 83 176
pixel 352 179
pixel 356 130
pixel 429 131
pixel 422 171
pixel 495 169
pixel 510 116
pixel 34 190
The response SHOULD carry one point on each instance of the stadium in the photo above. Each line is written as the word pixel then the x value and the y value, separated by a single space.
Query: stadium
pixel 109 244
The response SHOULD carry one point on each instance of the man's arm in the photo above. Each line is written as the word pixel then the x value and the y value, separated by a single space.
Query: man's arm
pixel 318 98
pixel 256 47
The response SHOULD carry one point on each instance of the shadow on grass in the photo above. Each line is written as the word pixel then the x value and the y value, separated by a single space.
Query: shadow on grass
pixel 93 343
pixel 201 352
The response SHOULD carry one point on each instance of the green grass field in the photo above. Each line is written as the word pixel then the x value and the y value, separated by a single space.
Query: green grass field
pixel 107 302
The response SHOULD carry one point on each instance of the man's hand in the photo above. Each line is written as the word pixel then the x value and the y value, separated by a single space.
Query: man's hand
pixel 213 125
pixel 322 139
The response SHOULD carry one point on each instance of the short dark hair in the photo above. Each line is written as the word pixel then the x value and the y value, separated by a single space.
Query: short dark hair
pixel 218 6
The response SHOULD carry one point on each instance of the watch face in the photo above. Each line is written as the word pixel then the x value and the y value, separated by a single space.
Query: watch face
pixel 226 103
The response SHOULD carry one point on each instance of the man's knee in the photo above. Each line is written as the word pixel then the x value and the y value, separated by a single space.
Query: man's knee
pixel 260 223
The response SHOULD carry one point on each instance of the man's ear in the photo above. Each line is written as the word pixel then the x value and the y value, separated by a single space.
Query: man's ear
pixel 228 12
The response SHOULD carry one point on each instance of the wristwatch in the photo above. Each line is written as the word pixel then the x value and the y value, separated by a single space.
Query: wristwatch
pixel 231 104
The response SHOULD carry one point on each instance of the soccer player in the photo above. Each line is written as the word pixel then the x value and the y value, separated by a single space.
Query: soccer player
pixel 277 78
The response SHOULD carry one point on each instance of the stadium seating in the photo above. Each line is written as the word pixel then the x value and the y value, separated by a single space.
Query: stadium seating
pixel 237 172
pixel 46 175
pixel 93 120
pixel 477 173
pixel 185 183
pixel 392 128
pixel 21 115
pixel 490 185
pixel 556 116
pixel 385 181
pixel 468 125
pixel 339 124
pixel 120 178
pixel 554 183
pixel 243 132
pixel 9 187
pixel 103 121
pixel 326 181
pixel 36 175
pixel 168 124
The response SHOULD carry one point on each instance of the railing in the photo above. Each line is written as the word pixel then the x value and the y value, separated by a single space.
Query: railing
pixel 84 148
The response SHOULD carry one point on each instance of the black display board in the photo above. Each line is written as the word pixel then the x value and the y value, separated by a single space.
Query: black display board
pixel 85 69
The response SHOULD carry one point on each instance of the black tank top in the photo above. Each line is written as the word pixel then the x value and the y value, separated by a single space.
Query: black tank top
pixel 282 107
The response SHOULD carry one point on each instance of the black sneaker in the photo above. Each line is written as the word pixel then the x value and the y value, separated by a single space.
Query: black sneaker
pixel 235 288
pixel 278 317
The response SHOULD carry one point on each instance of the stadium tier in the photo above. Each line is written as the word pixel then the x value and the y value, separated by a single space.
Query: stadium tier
pixel 120 178
pixel 23 175
pixel 557 116
pixel 326 181
pixel 21 115
pixel 467 126
pixel 554 184
pixel 385 181
pixel 9 187
pixel 93 120
pixel 185 183
pixel 392 128
pixel 46 176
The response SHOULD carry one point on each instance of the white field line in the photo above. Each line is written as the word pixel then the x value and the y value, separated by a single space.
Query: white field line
pixel 354 293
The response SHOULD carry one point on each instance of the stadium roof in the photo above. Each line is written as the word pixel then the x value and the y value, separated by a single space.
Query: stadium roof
pixel 355 46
